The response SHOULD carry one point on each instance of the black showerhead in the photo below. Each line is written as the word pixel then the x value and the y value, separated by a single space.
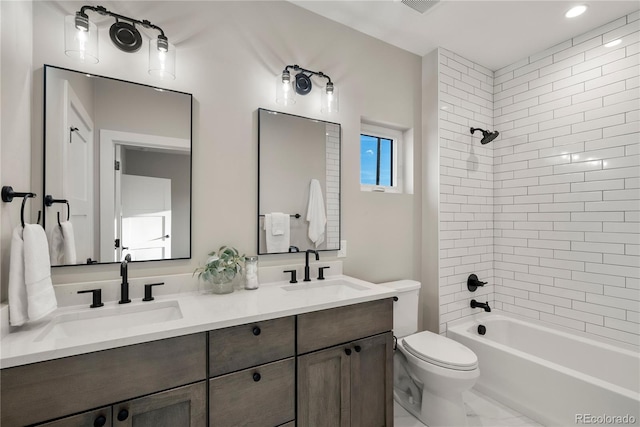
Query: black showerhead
pixel 487 136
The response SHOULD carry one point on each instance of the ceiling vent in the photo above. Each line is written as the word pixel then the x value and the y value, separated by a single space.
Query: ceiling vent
pixel 420 5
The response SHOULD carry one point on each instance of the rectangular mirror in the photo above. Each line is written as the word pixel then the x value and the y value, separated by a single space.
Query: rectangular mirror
pixel 117 167
pixel 298 183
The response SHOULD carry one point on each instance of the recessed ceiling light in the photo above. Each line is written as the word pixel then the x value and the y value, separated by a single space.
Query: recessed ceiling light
pixel 613 43
pixel 576 11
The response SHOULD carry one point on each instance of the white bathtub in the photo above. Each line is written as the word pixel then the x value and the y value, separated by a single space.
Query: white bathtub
pixel 555 377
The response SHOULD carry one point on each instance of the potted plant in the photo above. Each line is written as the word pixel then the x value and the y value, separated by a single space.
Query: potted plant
pixel 221 268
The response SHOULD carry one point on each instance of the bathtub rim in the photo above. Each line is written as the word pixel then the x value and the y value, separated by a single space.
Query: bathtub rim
pixel 462 327
pixel 480 316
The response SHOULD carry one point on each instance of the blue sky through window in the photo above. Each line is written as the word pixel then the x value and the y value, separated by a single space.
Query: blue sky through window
pixel 372 151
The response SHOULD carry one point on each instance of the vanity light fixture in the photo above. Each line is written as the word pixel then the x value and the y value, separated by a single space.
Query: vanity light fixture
pixel 81 40
pixel 286 88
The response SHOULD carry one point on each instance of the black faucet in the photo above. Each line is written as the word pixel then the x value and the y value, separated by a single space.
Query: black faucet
pixel 306 263
pixel 124 286
pixel 484 305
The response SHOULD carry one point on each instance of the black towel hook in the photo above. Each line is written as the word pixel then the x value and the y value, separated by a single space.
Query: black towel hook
pixel 8 194
pixel 49 201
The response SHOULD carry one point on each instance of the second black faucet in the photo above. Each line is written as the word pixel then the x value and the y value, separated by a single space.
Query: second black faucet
pixel 306 263
pixel 124 285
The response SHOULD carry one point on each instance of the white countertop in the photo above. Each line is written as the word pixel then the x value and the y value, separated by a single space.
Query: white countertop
pixel 199 313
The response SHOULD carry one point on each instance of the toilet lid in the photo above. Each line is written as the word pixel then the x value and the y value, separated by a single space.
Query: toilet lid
pixel 441 351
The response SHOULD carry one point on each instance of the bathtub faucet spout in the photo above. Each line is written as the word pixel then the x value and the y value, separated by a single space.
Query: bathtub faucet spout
pixel 484 305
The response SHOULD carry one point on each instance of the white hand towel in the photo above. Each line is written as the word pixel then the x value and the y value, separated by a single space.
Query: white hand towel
pixel 56 249
pixel 17 289
pixel 69 242
pixel 41 299
pixel 280 243
pixel 279 222
pixel 316 215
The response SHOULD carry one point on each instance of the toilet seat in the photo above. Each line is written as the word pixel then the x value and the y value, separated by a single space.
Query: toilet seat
pixel 440 351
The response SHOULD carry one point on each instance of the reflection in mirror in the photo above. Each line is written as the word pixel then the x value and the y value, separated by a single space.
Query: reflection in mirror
pixel 298 183
pixel 120 154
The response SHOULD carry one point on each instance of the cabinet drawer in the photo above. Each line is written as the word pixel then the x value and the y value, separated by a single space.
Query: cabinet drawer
pixel 78 383
pixel 240 347
pixel 92 418
pixel 244 399
pixel 321 329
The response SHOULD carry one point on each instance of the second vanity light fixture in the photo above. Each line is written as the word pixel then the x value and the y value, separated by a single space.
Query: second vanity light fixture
pixel 286 88
pixel 81 40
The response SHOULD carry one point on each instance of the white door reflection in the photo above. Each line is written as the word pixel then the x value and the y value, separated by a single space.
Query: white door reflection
pixel 145 218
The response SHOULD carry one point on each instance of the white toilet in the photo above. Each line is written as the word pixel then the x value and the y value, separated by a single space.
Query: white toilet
pixel 431 371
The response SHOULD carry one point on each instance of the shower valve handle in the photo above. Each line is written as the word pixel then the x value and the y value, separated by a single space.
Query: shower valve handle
pixel 473 283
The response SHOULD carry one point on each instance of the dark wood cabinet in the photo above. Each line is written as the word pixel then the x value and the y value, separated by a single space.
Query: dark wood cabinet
pixel 240 347
pixel 347 385
pixel 334 364
pixel 324 388
pixel 71 385
pixel 97 418
pixel 183 406
pixel 262 396
pixel 372 382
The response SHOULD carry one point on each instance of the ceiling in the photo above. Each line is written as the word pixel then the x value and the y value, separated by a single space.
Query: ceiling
pixel 493 34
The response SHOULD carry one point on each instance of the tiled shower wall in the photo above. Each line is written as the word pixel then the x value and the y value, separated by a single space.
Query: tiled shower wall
pixel 567 186
pixel 333 185
pixel 555 199
pixel 466 184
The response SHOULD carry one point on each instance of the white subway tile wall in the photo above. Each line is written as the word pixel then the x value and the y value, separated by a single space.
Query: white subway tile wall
pixel 548 213
pixel 333 185
pixel 466 183
pixel 566 174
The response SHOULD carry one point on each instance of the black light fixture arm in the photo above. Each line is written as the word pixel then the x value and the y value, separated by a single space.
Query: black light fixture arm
pixel 304 70
pixel 123 34
pixel 103 11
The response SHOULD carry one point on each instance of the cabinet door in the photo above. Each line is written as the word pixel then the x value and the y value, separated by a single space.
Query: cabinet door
pixel 372 382
pixel 324 388
pixel 97 418
pixel 184 406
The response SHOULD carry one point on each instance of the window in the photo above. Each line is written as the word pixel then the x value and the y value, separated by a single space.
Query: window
pixel 379 159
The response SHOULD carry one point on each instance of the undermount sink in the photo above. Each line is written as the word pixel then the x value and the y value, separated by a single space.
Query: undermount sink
pixel 337 285
pixel 102 320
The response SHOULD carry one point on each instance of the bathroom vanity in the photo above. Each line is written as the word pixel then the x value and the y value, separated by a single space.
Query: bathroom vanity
pixel 326 361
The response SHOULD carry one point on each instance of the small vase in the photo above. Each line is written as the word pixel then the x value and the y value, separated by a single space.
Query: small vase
pixel 222 287
pixel 215 285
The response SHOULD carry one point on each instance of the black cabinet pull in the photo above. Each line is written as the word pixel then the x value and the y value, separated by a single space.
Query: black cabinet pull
pixel 357 348
pixel 123 415
pixel 347 351
pixel 256 330
pixel 100 421
pixel 256 377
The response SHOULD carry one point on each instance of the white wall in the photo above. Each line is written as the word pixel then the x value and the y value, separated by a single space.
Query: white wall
pixel 466 184
pixel 566 183
pixel 229 54
pixel 15 120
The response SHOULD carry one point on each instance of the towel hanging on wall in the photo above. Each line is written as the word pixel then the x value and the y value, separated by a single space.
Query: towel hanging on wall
pixel 31 294
pixel 316 214
pixel 277 242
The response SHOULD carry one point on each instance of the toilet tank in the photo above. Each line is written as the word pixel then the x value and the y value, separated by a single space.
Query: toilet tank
pixel 405 310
